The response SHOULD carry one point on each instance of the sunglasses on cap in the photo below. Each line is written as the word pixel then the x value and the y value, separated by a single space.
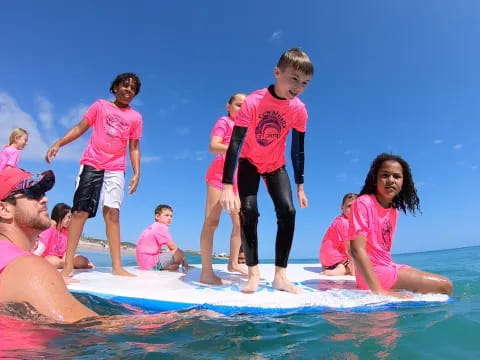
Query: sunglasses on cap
pixel 33 193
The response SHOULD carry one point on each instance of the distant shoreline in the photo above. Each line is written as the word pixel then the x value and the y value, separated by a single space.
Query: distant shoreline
pixel 102 246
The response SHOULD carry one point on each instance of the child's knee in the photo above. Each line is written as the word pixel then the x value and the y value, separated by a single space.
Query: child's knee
pixel 447 286
pixel 178 256
pixel 111 214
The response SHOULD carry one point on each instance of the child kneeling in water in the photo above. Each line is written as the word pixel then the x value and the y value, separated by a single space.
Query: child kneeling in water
pixel 335 248
pixel 373 220
pixel 149 245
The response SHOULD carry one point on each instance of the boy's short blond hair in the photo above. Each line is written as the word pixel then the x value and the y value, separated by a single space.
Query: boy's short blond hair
pixel 16 133
pixel 297 59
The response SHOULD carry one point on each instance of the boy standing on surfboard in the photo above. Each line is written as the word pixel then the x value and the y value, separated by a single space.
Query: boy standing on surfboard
pixel 264 121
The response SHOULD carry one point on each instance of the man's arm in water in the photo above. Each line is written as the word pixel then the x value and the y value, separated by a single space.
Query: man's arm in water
pixel 32 279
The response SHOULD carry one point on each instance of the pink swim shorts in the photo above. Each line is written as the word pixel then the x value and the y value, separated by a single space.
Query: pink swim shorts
pixel 386 274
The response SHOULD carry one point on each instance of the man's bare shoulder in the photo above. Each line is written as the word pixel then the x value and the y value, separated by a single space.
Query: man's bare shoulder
pixel 24 274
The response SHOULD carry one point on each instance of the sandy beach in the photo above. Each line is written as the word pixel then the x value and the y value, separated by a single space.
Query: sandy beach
pixel 103 247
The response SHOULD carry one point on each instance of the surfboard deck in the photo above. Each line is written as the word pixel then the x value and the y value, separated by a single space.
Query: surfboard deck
pixel 167 290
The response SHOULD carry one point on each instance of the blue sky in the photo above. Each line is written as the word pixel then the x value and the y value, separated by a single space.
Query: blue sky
pixel 396 76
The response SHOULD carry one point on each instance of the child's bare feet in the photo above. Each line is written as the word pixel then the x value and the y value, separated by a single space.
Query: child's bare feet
pixel 121 272
pixel 286 285
pixel 281 283
pixel 212 279
pixel 253 280
pixel 242 269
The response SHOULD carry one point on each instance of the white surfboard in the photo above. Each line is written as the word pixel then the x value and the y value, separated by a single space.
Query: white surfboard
pixel 166 290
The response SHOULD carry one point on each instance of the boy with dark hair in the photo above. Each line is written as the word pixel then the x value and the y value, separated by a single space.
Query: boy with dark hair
pixel 264 121
pixel 102 172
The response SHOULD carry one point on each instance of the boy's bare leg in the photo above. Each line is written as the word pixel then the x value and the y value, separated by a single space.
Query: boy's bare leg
pixel 75 230
pixel 112 225
pixel 280 281
pixel 253 280
pixel 235 243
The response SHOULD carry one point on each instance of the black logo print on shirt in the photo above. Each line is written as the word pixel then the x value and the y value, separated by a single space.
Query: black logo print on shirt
pixel 269 128
pixel 387 233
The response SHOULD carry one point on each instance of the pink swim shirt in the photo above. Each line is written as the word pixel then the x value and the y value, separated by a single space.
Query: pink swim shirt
pixel 55 241
pixel 378 225
pixel 150 243
pixel 9 156
pixel 334 249
pixel 269 121
pixel 8 253
pixel 223 128
pixel 112 128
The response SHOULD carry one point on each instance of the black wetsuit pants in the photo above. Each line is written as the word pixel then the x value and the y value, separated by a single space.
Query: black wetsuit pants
pixel 278 186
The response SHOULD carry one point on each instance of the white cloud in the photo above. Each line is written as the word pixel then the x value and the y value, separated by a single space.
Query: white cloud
pixel 11 116
pixel 182 155
pixel 45 111
pixel 200 155
pixel 73 115
pixel 457 146
pixel 354 160
pixel 437 141
pixel 351 152
pixel 420 184
pixel 341 177
pixel 150 158
pixel 187 154
pixel 276 35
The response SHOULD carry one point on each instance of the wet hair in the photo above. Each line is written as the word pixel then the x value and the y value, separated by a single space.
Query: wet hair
pixel 124 77
pixel 407 198
pixel 16 133
pixel 297 59
pixel 349 196
pixel 59 212
pixel 160 208
pixel 232 99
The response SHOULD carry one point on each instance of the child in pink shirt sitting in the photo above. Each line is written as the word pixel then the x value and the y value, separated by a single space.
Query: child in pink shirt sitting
pixel 116 127
pixel 10 154
pixel 335 248
pixel 373 220
pixel 52 243
pixel 149 245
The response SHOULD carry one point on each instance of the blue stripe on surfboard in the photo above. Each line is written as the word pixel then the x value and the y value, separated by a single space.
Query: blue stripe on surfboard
pixel 162 305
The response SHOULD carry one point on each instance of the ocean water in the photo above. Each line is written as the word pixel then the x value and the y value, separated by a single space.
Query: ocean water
pixel 440 331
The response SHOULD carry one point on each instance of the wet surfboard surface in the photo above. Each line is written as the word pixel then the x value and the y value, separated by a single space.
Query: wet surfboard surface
pixel 176 290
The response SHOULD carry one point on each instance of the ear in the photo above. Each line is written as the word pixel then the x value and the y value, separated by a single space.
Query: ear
pixel 157 217
pixel 276 71
pixel 6 211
